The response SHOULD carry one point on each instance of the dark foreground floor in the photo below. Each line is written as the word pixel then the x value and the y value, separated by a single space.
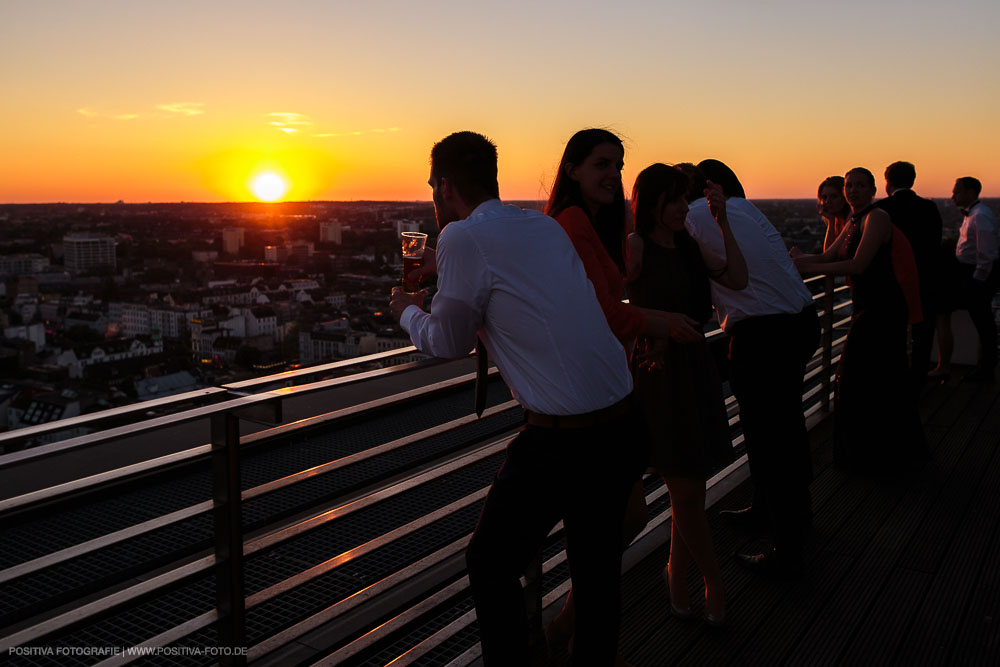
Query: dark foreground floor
pixel 903 569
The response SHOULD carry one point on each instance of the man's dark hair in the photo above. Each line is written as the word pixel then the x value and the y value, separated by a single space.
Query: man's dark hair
pixel 696 180
pixel 900 175
pixel 868 176
pixel 970 183
pixel 469 161
pixel 718 172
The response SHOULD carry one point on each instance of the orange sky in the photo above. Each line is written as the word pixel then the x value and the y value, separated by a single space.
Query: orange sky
pixel 187 101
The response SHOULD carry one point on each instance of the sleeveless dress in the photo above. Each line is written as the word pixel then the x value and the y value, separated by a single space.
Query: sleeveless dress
pixel 876 424
pixel 683 403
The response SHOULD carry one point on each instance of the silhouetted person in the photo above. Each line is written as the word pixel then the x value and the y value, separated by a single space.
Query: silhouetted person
pixel 978 276
pixel 513 277
pixel 920 220
pixel 773 330
pixel 832 206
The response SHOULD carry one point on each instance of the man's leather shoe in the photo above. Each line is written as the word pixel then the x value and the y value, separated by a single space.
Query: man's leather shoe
pixel 773 563
pixel 747 518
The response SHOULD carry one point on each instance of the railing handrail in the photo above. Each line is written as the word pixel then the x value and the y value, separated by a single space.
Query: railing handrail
pixel 230 389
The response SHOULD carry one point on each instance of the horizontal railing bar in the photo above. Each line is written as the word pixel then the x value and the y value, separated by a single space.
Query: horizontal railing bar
pixel 817 407
pixel 472 653
pixel 434 640
pixel 369 406
pixel 285 376
pixel 110 413
pixel 305 525
pixel 156 423
pixel 51 492
pixel 351 459
pixel 166 638
pixel 102 542
pixel 379 632
pixel 106 603
pixel 341 607
pixel 372 545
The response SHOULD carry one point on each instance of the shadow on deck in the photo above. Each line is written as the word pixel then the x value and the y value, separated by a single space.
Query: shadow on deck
pixel 902 569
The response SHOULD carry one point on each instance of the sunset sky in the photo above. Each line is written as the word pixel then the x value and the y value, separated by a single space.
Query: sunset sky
pixel 189 101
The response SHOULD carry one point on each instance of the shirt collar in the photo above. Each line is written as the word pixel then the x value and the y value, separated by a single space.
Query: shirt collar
pixel 967 210
pixel 486 206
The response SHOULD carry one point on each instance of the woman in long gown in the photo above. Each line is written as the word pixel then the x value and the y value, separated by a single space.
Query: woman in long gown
pixel 876 425
pixel 681 391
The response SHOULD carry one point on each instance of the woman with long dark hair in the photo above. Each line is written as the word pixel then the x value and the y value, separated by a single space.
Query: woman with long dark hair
pixel 588 200
pixel 681 395
pixel 875 424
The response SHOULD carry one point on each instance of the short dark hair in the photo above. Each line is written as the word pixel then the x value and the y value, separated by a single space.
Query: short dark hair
pixel 655 181
pixel 719 172
pixel 469 161
pixel 970 183
pixel 696 178
pixel 870 177
pixel 900 175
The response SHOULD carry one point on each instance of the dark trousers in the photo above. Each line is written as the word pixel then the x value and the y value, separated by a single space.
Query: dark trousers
pixel 582 476
pixel 977 297
pixel 768 357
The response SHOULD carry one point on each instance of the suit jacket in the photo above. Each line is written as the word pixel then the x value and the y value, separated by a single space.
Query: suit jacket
pixel 920 220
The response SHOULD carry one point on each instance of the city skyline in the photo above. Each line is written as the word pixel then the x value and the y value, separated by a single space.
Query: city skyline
pixel 116 101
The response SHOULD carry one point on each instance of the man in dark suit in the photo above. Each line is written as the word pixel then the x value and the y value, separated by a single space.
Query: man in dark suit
pixel 920 220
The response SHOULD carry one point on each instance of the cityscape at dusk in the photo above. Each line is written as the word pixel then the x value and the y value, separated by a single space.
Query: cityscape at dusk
pixel 187 101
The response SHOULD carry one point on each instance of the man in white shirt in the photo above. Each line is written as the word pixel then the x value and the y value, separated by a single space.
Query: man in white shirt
pixel 514 277
pixel 774 331
pixel 976 253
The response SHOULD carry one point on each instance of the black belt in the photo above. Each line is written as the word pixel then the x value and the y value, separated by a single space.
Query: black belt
pixel 586 420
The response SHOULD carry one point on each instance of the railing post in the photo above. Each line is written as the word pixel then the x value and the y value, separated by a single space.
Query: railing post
pixel 828 287
pixel 228 516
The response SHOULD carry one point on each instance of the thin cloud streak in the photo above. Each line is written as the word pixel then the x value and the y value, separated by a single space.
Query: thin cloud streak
pixel 183 108
pixel 176 109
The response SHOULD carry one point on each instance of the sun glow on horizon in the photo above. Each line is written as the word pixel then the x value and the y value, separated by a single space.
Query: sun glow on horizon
pixel 269 186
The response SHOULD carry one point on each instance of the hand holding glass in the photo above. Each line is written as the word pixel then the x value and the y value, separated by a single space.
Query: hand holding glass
pixel 413 257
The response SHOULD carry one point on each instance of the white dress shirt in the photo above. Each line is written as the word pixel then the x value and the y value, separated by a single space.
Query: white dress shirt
pixel 514 276
pixel 977 240
pixel 774 285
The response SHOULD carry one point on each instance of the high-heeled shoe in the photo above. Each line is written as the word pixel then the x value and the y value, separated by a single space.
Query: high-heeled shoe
pixel 684 613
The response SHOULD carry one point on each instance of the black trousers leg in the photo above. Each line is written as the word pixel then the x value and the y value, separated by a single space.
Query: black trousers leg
pixel 769 356
pixel 582 476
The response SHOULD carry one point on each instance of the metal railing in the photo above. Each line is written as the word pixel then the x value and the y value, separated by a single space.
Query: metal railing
pixel 260 401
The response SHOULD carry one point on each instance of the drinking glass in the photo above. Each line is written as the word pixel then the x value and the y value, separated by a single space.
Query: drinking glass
pixel 413 257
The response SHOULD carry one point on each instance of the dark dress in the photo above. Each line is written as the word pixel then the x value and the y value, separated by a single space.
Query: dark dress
pixel 876 425
pixel 683 403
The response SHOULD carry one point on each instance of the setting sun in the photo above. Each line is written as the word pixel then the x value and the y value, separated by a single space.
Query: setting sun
pixel 269 187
